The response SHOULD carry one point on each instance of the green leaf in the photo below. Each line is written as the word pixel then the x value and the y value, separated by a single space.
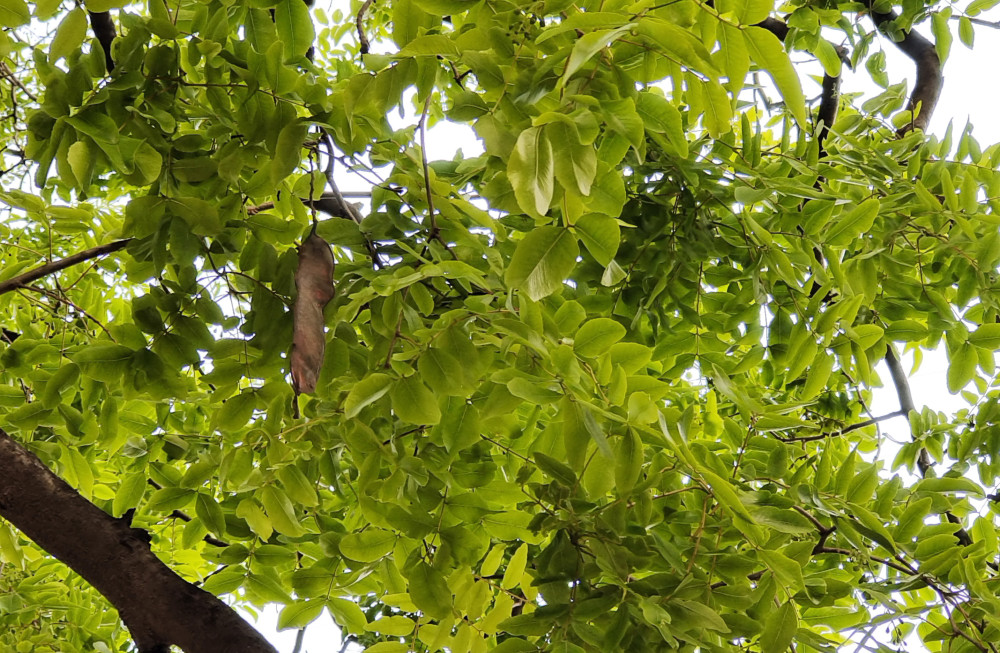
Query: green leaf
pixel 962 366
pixel 442 372
pixel 575 162
pixel 236 412
pixel 280 511
pixel 288 151
pixel 542 261
pixel 366 391
pixel 942 33
pixel 555 469
pixel 588 45
pixel 735 60
pixel 430 45
pixel 531 171
pixel 911 330
pixel 976 7
pixel 300 614
pixel 779 629
pixel 786 571
pixel 911 521
pixel 718 112
pixel 986 336
pixel 297 486
pixel 258 521
pixel 295 29
pixel 129 493
pixel 857 222
pixel 768 53
pixel 413 402
pixel 65 377
pixel 104 361
pixel 368 545
pixel 596 336
pixel 210 513
pixel 515 568
pixel 396 626
pixel 347 614
pixel 429 591
pixel 14 13
pixel 702 615
pixel 600 234
pixel 829 58
pixel 69 35
pixel 628 455
pixel 662 117
pixel 948 484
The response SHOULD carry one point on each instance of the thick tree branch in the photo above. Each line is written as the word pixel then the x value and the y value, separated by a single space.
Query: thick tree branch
pixel 927 88
pixel 159 607
pixel 104 30
pixel 22 280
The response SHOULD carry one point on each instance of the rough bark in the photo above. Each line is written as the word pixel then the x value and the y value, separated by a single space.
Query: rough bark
pixel 157 606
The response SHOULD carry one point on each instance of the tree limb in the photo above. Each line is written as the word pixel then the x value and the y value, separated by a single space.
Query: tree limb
pixel 927 88
pixel 104 30
pixel 159 607
pixel 829 102
pixel 55 266
pixel 365 46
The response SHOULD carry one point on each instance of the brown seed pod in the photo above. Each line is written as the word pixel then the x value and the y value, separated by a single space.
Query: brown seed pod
pixel 314 283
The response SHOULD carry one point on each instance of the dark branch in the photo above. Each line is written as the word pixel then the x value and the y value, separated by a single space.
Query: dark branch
pixel 927 88
pixel 55 266
pixel 846 429
pixel 104 30
pixel 359 21
pixel 159 607
pixel 830 98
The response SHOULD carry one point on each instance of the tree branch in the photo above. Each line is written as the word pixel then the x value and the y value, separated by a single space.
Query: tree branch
pixel 927 88
pixel 829 102
pixel 159 607
pixel 104 30
pixel 22 280
pixel 359 22
pixel 900 381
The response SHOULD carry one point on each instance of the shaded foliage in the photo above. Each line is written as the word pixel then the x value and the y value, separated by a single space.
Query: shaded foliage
pixel 603 386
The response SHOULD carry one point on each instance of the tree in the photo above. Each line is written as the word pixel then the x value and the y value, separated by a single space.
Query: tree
pixel 602 387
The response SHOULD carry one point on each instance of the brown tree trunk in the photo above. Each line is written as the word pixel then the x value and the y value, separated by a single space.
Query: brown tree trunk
pixel 159 607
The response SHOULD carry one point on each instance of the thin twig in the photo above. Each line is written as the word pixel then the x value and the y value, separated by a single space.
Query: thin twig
pixel 846 429
pixel 422 125
pixel 65 300
pixel 55 266
pixel 6 72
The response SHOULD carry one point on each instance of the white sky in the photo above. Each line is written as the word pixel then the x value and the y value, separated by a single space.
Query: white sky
pixel 969 94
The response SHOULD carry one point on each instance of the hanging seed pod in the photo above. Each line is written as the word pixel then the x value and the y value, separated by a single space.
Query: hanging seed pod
pixel 314 283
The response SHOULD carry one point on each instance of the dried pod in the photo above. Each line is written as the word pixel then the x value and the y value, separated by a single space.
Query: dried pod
pixel 314 283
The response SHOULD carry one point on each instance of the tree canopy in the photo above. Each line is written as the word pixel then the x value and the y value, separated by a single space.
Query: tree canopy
pixel 604 386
